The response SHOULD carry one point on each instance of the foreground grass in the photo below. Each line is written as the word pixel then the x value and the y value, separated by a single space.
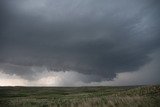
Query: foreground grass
pixel 135 96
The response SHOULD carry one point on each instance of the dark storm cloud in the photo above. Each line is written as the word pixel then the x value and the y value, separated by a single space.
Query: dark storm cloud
pixel 91 37
pixel 3 17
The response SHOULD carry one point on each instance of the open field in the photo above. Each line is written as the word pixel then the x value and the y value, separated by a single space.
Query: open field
pixel 128 96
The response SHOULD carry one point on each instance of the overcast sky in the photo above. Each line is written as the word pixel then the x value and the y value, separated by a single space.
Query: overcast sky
pixel 79 42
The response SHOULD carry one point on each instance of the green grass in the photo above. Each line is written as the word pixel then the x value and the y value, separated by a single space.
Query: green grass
pixel 129 96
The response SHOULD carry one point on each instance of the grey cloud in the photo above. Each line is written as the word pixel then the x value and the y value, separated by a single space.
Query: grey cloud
pixel 100 38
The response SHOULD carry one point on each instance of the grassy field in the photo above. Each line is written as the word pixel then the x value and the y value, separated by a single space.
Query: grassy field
pixel 128 96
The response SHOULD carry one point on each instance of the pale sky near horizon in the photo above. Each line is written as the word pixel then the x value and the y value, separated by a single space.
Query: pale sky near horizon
pixel 79 42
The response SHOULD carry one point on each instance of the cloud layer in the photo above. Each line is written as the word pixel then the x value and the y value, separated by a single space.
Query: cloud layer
pixel 97 39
